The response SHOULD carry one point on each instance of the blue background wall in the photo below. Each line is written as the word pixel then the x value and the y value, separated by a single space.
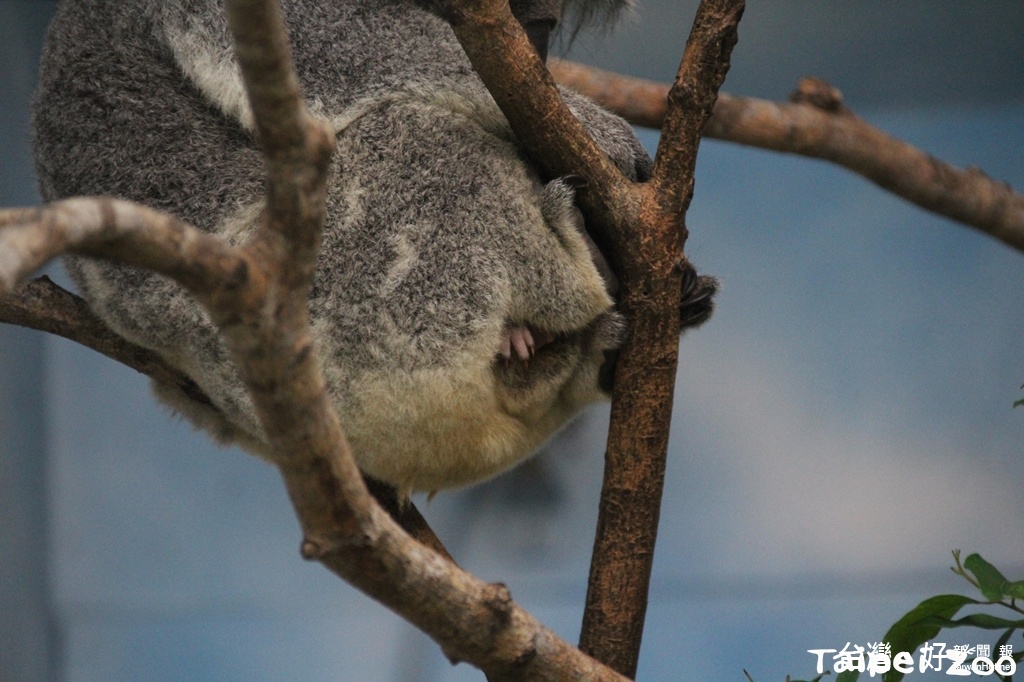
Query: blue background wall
pixel 842 424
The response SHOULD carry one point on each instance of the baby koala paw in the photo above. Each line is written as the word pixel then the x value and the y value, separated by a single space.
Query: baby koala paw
pixel 518 340
pixel 521 343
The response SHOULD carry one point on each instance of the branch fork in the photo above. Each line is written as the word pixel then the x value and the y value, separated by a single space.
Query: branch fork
pixel 256 293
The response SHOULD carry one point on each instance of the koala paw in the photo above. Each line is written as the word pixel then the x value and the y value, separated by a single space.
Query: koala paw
pixel 696 303
pixel 698 297
pixel 518 340
pixel 522 342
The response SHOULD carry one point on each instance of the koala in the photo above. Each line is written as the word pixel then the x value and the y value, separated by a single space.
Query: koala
pixel 461 312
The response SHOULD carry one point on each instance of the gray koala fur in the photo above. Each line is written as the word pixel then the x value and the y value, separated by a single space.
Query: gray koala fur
pixel 443 247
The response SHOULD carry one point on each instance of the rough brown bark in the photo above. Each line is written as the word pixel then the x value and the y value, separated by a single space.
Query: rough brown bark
pixel 641 230
pixel 623 554
pixel 817 124
pixel 256 294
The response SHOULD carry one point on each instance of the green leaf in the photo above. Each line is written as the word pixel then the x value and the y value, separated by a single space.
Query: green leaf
pixel 1014 590
pixel 989 577
pixel 913 629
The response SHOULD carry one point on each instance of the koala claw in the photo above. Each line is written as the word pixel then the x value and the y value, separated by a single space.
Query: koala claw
pixel 696 304
pixel 697 301
pixel 520 340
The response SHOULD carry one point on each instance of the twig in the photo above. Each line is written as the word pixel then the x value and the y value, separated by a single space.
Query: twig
pixel 824 129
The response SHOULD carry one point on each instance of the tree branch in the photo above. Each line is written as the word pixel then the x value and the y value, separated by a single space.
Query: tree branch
pixel 119 230
pixel 343 528
pixel 42 305
pixel 821 127
pixel 640 229
pixel 553 138
pixel 645 374
pixel 256 294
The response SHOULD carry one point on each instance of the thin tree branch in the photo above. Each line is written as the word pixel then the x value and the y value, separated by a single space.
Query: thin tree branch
pixel 42 305
pixel 119 230
pixel 821 127
pixel 634 473
pixel 407 516
pixel 641 102
pixel 691 100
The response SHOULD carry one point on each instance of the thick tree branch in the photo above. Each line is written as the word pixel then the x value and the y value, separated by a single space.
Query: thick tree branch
pixel 820 127
pixel 640 229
